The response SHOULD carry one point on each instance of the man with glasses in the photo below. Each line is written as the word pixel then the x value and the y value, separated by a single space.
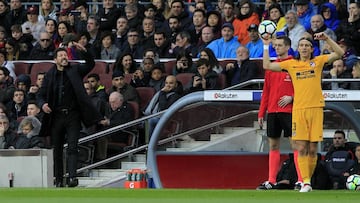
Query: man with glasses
pixel 43 49
pixel 133 44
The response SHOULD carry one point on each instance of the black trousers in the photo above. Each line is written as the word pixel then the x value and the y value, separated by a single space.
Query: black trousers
pixel 66 126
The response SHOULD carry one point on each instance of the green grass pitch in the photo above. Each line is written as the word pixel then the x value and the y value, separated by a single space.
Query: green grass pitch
pixel 82 195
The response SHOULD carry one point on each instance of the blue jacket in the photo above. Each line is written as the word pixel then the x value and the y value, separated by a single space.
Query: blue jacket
pixel 255 49
pixel 305 19
pixel 224 49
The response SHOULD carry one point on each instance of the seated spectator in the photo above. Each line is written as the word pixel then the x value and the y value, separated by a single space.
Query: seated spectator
pixel 79 20
pixel 23 40
pixel 304 11
pixel 43 49
pixel 33 26
pixel 7 64
pixel 34 89
pixel 318 25
pixel 330 15
pixel 47 10
pixel 150 53
pixel 12 50
pixel 121 112
pixel 133 45
pixel 108 15
pixel 205 78
pixel 214 21
pixel 183 64
pixel 157 80
pixel 242 70
pixel 162 44
pixel 255 45
pixel 3 36
pixel 139 79
pixel 207 36
pixel 119 85
pixel 23 83
pixel 108 49
pixel 7 136
pixel 208 54
pixel 4 23
pixel 338 70
pixel 339 159
pixel 163 99
pixel 147 65
pixel 225 46
pixel 356 74
pixel 293 29
pixel 34 110
pixel 131 12
pixel 17 14
pixel 277 16
pixel 199 21
pixel 183 44
pixel 247 15
pixel 121 31
pixel 84 39
pixel 51 29
pixel 93 28
pixel 28 134
pixel 147 35
pixel 125 63
pixel 18 106
pixel 7 87
pixel 99 90
pixel 228 12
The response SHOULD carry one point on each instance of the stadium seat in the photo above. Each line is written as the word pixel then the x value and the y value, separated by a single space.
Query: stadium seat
pixel 221 81
pixel 223 63
pixel 39 67
pixel 184 78
pixel 106 80
pixel 100 67
pixel 128 78
pixel 22 68
pixel 146 94
pixel 169 66
pixel 259 64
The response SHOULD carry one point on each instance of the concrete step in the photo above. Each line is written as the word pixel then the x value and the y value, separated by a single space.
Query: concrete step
pixel 191 144
pixel 171 149
pixel 106 172
pixel 214 137
pixel 139 157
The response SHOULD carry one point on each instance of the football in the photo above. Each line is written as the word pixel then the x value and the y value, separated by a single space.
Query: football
pixel 266 29
pixel 353 182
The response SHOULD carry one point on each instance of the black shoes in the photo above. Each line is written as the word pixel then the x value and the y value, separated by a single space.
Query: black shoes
pixel 73 182
pixel 266 186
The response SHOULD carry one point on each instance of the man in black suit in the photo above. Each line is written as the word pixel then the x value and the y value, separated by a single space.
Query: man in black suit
pixel 65 104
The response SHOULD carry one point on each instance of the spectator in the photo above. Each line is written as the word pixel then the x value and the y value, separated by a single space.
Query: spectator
pixel 265 15
pixel 178 10
pixel 47 10
pixel 184 64
pixel 338 71
pixel 174 27
pixel 317 25
pixel 214 21
pixel 34 110
pixel 121 31
pixel 17 107
pixel 33 26
pixel 341 9
pixel 277 16
pixel 84 39
pixel 108 49
pixel 93 28
pixel 183 44
pixel 225 46
pixel 207 36
pixel 293 29
pixel 156 79
pixel 108 15
pixel 228 12
pixel 34 89
pixel 131 12
pixel 146 66
pixel 23 40
pixel 7 136
pixel 51 28
pixel 63 28
pixel 23 82
pixel 349 29
pixel 150 53
pixel 356 74
pixel 66 6
pixel 162 44
pixel 79 19
pixel 151 11
pixel 7 87
pixel 12 50
pixel 3 36
pixel 125 63
pixel 199 21
pixel 139 78
pixel 330 15
pixel 119 85
pixel 7 64
pixel 246 17
pixel 4 10
pixel 214 63
pixel 28 134
pixel 133 45
pixel 43 49
pixel 98 89
pixel 255 45
pixel 205 78
pixel 304 11
pixel 17 14
pixel 243 69
pixel 148 28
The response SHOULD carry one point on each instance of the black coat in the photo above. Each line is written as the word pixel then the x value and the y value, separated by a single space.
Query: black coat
pixel 75 73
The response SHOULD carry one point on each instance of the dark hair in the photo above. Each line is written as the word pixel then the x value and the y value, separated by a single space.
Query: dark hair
pixel 178 1
pixel 94 75
pixel 54 21
pixel 286 39
pixel 58 50
pixel 201 62
pixel 3 52
pixel 33 102
pixel 230 2
pixel 85 34
pixel 5 70
pixel 312 45
pixel 107 34
pixel 277 6
pixel 67 25
pixel 340 132
pixel 212 58
pixel 201 11
pixel 118 66
pixel 187 55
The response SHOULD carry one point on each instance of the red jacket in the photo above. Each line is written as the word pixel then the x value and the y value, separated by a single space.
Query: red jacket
pixel 277 84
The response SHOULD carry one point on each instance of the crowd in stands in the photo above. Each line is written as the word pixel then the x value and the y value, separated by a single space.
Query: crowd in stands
pixel 194 36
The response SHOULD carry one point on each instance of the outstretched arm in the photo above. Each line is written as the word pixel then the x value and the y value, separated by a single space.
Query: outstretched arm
pixel 267 65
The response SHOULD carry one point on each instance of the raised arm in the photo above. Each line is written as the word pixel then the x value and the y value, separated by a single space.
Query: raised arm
pixel 267 64
pixel 338 51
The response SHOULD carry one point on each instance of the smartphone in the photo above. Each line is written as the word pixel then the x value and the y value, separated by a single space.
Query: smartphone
pixel 75 12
